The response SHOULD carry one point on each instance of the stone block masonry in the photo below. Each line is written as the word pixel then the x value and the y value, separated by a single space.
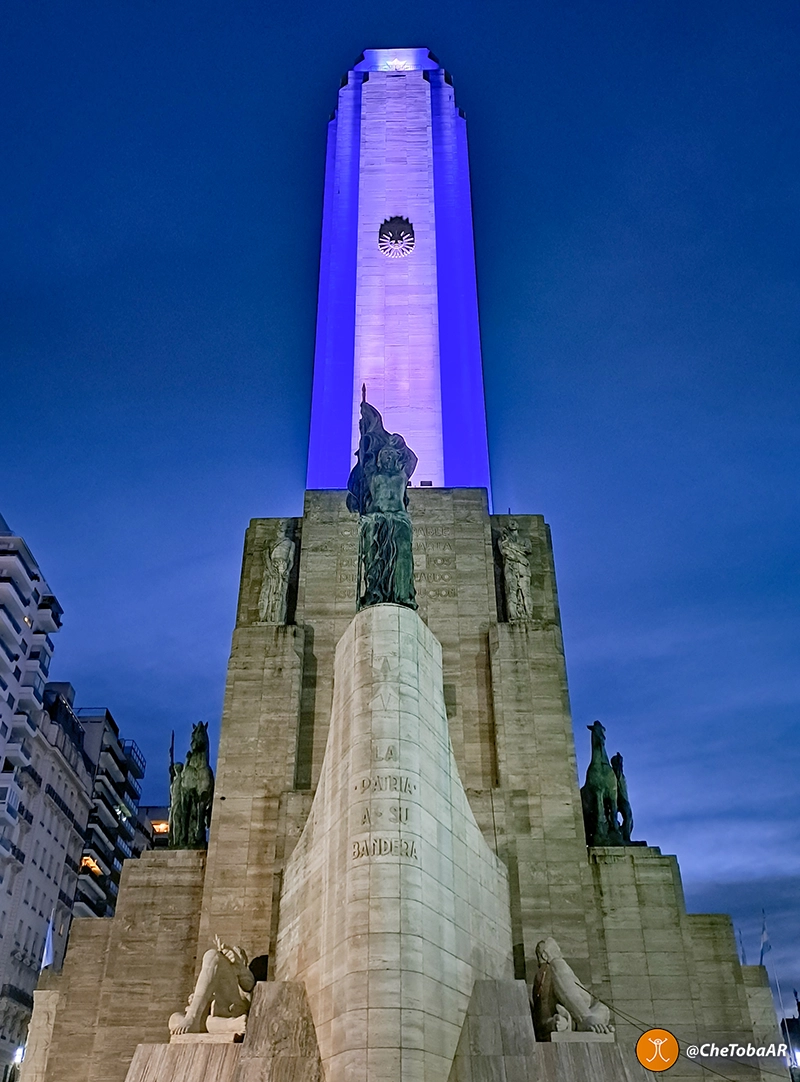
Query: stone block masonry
pixel 122 972
pixel 393 904
pixel 618 914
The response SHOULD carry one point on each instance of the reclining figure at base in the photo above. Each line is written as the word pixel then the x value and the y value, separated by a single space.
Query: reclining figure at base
pixel 221 997
pixel 560 1002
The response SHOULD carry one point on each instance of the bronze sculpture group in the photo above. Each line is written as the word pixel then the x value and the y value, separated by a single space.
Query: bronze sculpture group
pixel 607 815
pixel 191 792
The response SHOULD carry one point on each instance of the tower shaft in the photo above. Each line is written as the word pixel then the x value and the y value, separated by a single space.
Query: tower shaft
pixel 401 317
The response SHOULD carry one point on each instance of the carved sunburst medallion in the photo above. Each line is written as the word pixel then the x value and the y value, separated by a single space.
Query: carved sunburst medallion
pixel 396 237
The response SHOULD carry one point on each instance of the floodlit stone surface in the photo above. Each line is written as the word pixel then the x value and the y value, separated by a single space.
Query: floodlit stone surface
pixel 393 904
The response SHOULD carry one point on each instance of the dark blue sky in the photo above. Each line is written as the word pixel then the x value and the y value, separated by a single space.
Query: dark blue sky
pixel 635 181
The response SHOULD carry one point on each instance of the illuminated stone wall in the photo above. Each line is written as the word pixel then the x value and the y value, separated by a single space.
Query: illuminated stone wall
pixel 407 325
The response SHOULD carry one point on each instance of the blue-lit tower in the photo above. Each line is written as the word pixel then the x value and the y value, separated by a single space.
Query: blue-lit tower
pixel 398 305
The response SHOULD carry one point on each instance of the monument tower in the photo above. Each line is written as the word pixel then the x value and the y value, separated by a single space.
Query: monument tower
pixel 403 880
pixel 398 302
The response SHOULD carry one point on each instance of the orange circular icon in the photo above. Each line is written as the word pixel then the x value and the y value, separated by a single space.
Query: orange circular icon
pixel 657 1049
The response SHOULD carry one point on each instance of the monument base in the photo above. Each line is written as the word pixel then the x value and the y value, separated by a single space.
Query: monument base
pixel 571 1061
pixel 574 1037
pixel 279 1043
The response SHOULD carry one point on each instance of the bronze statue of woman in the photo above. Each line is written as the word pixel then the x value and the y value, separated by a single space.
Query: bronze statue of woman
pixel 377 490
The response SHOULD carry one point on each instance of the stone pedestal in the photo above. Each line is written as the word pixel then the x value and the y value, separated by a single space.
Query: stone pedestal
pixel 208 1061
pixel 279 1046
pixel 497 1042
pixel 587 1061
pixel 572 1036
pixel 393 904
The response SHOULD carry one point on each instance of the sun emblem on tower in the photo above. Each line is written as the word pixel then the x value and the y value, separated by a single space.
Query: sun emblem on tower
pixel 396 237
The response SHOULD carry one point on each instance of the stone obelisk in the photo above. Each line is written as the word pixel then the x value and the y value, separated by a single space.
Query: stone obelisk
pixel 393 904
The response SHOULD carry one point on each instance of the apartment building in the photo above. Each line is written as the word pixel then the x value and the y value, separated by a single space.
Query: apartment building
pixel 111 836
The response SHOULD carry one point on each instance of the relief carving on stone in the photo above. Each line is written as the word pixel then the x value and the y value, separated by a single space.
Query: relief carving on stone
pixel 515 551
pixel 560 1002
pixel 278 563
pixel 221 998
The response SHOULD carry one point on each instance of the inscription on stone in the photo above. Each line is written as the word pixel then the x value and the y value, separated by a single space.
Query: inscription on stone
pixel 386 753
pixel 433 531
pixel 385 847
pixel 397 814
pixel 387 783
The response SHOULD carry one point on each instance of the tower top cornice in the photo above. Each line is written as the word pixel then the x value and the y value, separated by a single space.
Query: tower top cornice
pixel 396 60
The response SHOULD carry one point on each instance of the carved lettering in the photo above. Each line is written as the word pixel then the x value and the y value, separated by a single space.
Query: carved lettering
pixel 385 847
pixel 387 755
pixel 387 783
pixel 398 813
pixel 433 531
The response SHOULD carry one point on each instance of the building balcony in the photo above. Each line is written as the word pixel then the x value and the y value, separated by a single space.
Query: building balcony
pixel 104 814
pixel 9 811
pixel 9 622
pixel 10 853
pixel 108 787
pixel 48 615
pixel 84 907
pixel 96 852
pixel 65 900
pixel 10 589
pixel 24 724
pixel 18 752
pixel 135 758
pixel 27 563
pixel 35 777
pixel 17 995
pixel 108 763
pixel 14 780
pixel 98 831
pixel 25 816
pixel 134 787
pixel 31 691
pixel 91 888
pixel 42 635
pixel 127 827
pixel 11 655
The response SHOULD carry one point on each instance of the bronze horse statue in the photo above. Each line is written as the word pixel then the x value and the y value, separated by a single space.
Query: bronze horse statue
pixel 600 794
pixel 191 794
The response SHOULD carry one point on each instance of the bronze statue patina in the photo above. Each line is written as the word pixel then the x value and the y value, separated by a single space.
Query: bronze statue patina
pixel 377 491
pixel 190 794
pixel 623 804
pixel 600 794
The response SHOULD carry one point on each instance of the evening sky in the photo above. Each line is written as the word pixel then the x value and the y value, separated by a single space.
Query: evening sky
pixel 635 184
